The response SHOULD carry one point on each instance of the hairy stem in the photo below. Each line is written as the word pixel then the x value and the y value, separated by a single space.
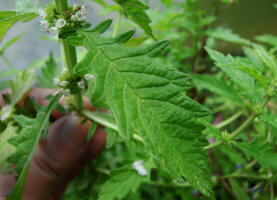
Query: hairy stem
pixel 229 120
pixel 69 54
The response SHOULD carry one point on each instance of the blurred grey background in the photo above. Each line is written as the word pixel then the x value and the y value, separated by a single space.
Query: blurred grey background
pixel 247 17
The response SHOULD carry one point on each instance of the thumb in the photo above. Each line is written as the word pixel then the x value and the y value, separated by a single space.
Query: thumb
pixel 55 157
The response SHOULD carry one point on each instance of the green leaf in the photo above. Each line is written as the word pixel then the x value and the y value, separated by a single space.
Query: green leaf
pixel 267 39
pixel 228 36
pixel 10 43
pixel 49 72
pixel 92 130
pixel 149 99
pixel 135 11
pixel 261 151
pixel 9 18
pixel 231 66
pixel 21 83
pixel 6 149
pixel 268 59
pixel 26 143
pixel 239 193
pixel 217 86
pixel 269 119
pixel 121 183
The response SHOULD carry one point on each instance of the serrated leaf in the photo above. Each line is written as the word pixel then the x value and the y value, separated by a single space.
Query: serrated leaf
pixel 228 36
pixel 26 143
pixel 49 72
pixel 149 99
pixel 267 39
pixel 6 149
pixel 258 150
pixel 9 18
pixel 211 131
pixel 123 182
pixel 135 10
pixel 217 86
pixel 269 119
pixel 21 83
pixel 268 59
pixel 230 65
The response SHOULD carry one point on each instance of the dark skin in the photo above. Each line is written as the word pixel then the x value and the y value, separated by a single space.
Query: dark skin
pixel 59 158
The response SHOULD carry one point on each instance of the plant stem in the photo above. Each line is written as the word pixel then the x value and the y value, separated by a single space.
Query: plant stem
pixel 229 120
pixel 236 175
pixel 117 25
pixel 235 133
pixel 69 54
pixel 101 119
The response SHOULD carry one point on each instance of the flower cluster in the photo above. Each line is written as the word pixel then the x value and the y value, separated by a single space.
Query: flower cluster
pixel 5 112
pixel 67 87
pixel 54 24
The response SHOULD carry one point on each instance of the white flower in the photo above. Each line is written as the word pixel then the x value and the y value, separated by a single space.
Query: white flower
pixel 56 81
pixel 42 14
pixel 137 165
pixel 88 77
pixel 54 31
pixel 44 25
pixel 84 9
pixel 81 84
pixel 5 112
pixel 73 18
pixel 66 92
pixel 63 83
pixel 80 15
pixel 75 6
pixel 60 23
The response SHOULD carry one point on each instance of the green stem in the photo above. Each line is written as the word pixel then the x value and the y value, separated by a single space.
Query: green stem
pixel 117 25
pixel 69 54
pixel 163 184
pixel 271 191
pixel 236 175
pixel 235 133
pixel 101 119
pixel 229 120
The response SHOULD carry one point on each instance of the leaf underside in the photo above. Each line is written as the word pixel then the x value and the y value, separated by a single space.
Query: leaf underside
pixel 148 99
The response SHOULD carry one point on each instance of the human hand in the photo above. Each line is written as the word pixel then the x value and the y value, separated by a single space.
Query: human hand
pixel 60 157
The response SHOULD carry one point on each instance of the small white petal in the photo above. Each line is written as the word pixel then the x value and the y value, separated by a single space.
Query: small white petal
pixel 54 31
pixel 75 6
pixel 73 18
pixel 42 14
pixel 66 92
pixel 84 9
pixel 80 16
pixel 81 84
pixel 44 25
pixel 63 83
pixel 60 23
pixel 88 77
pixel 138 166
pixel 56 81
pixel 6 112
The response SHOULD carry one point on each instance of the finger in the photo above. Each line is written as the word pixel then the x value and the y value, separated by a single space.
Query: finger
pixel 93 149
pixel 6 184
pixel 55 157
